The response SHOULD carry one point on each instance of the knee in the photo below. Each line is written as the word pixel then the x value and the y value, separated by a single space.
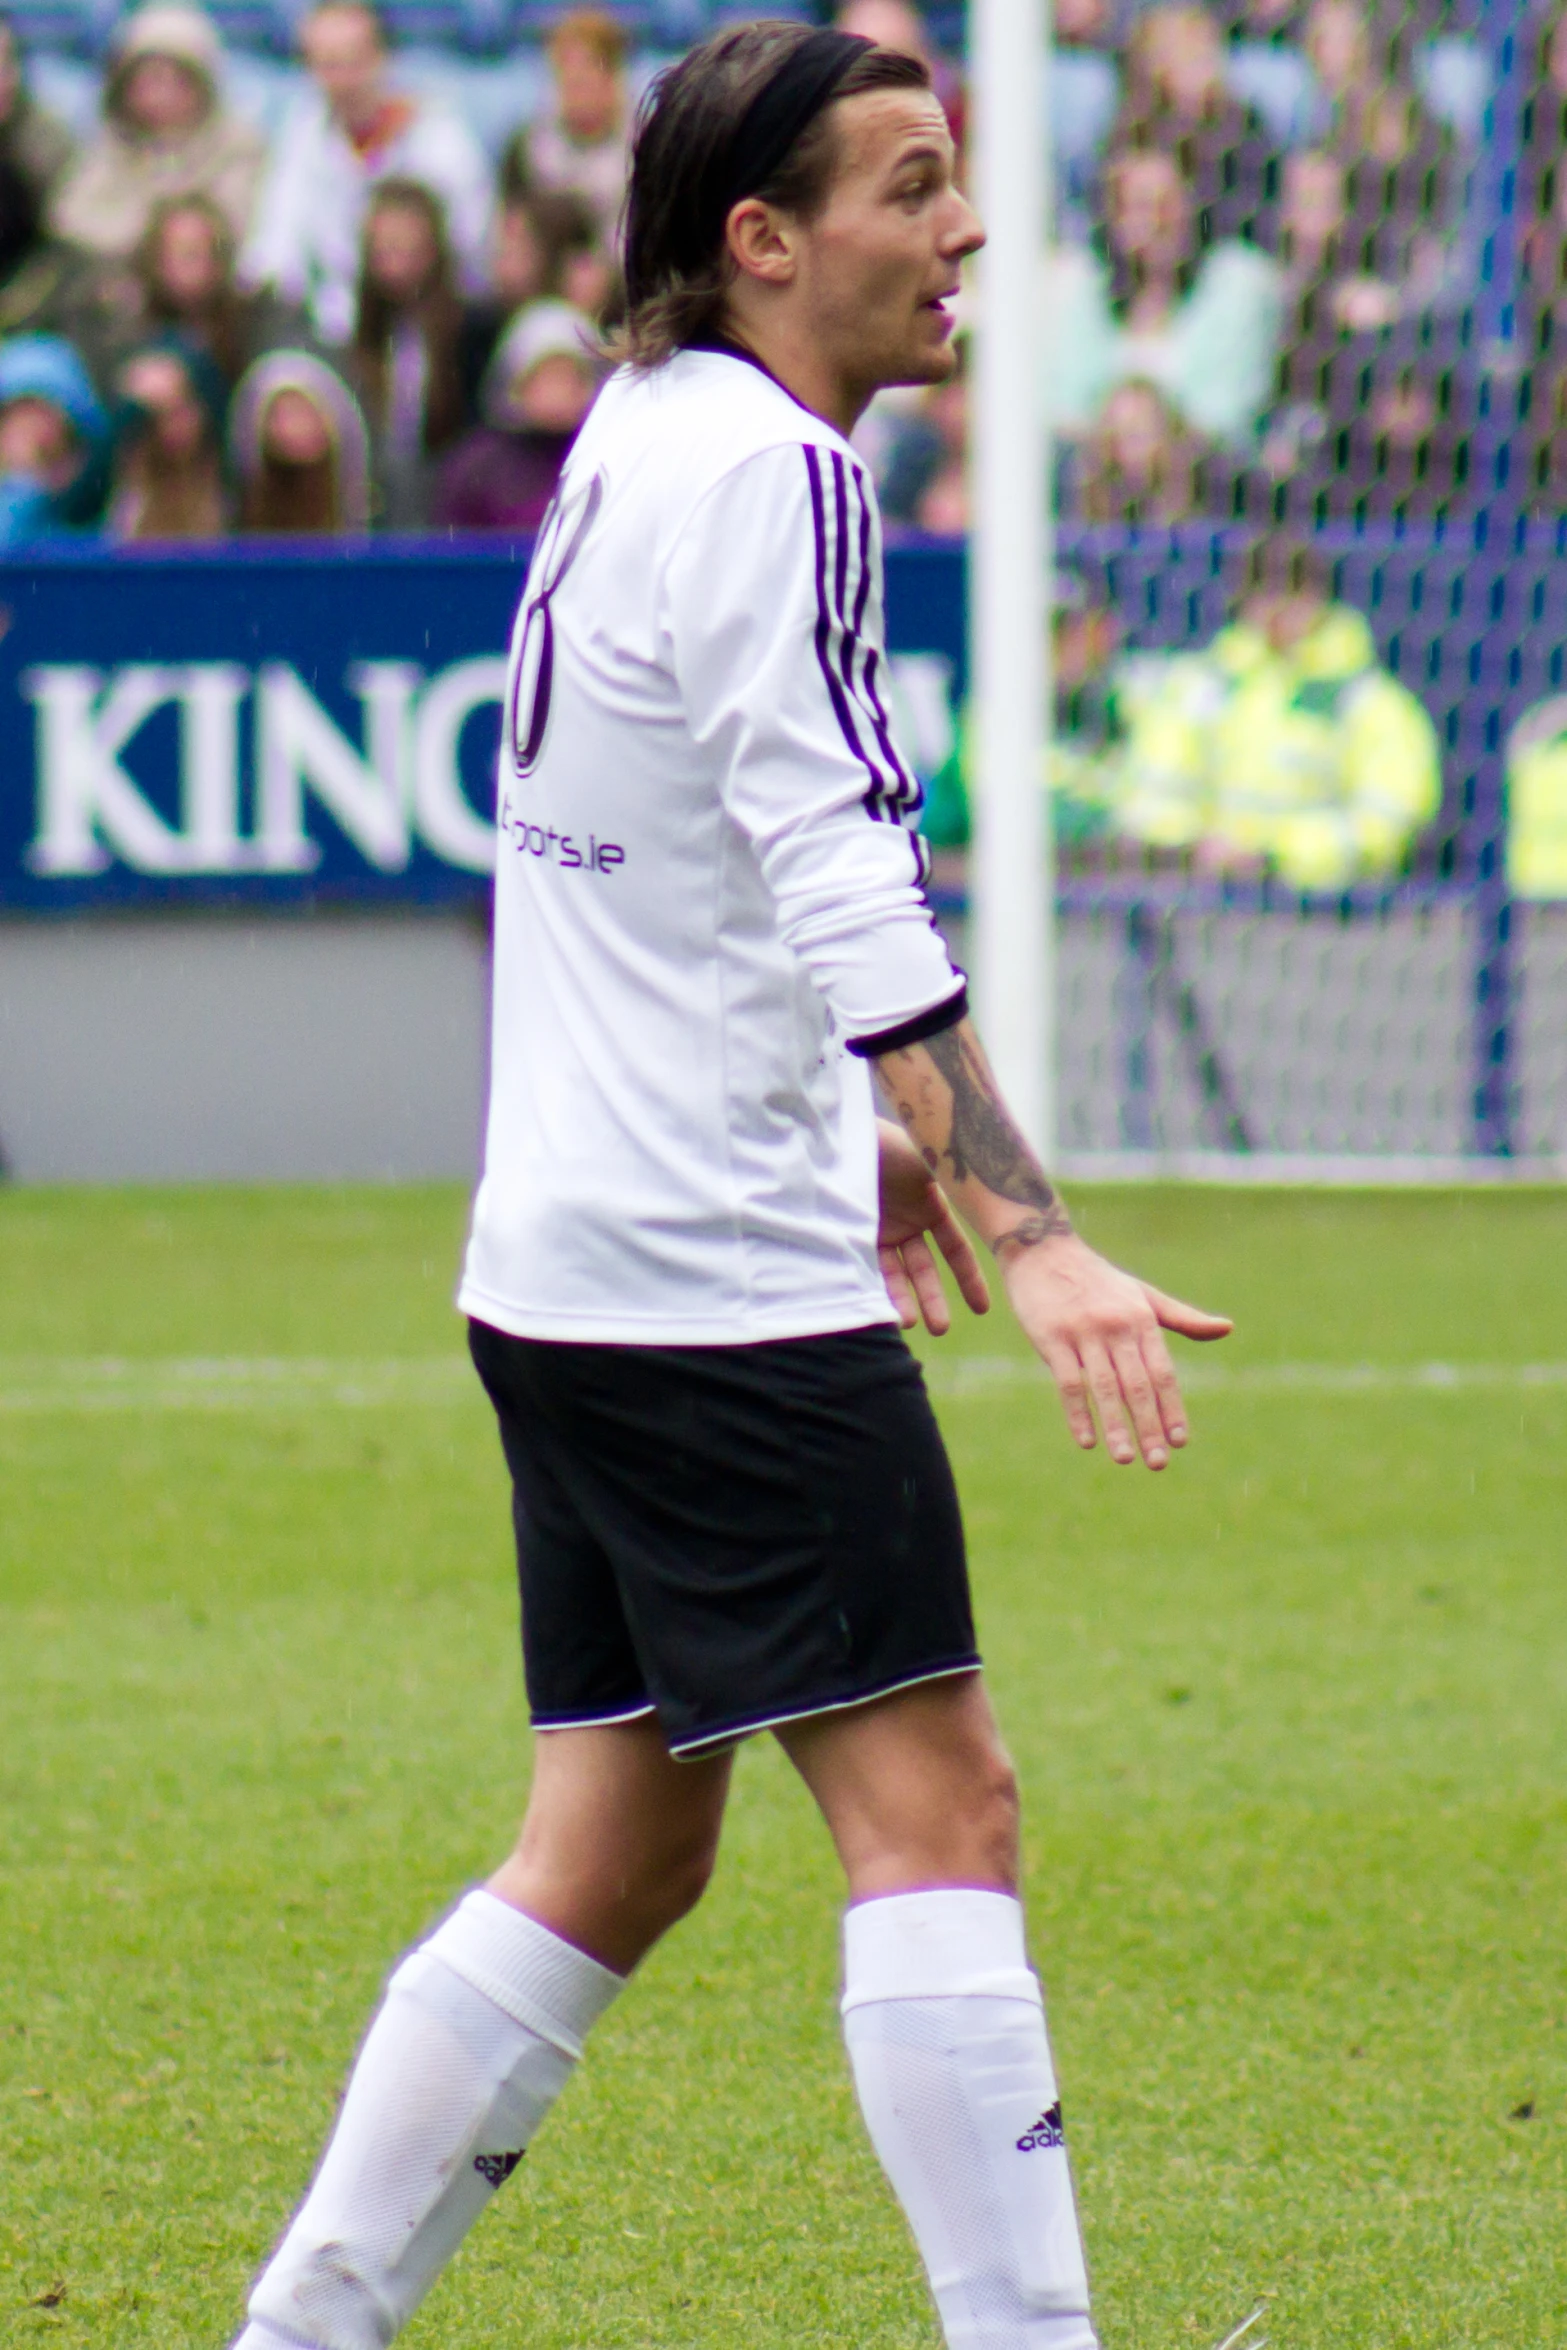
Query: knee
pixel 676 1878
pixel 994 1817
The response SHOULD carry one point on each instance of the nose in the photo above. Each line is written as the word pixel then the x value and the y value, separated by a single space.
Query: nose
pixel 967 231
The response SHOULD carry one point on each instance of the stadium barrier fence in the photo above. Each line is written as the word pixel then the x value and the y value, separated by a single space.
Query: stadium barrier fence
pixel 272 728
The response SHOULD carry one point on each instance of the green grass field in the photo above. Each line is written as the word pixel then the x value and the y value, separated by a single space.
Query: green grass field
pixel 1292 1724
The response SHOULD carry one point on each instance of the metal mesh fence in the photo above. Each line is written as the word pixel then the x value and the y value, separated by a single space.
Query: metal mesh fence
pixel 1306 310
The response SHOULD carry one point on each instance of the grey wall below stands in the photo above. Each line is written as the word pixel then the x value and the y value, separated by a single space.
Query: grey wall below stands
pixel 182 1047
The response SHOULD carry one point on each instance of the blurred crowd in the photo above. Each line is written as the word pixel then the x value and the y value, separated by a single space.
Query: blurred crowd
pixel 364 321
pixel 364 306
pixel 1260 297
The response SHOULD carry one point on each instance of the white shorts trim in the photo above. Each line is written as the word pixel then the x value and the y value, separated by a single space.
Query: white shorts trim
pixel 690 1748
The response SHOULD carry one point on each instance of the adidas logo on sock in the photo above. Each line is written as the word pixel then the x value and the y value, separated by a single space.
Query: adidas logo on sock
pixel 497 2168
pixel 1047 2131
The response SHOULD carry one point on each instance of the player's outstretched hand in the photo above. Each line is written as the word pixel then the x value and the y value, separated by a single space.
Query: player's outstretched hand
pixel 914 1212
pixel 1101 1333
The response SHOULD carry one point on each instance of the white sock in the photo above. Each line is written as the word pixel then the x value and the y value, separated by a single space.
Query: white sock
pixel 946 2032
pixel 472 2045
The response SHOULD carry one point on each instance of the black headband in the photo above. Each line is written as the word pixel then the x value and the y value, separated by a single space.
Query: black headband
pixel 782 109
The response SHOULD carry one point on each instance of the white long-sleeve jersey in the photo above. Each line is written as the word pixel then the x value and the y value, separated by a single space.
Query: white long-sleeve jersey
pixel 709 897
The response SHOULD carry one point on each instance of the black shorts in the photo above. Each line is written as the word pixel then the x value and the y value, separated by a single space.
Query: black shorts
pixel 726 1536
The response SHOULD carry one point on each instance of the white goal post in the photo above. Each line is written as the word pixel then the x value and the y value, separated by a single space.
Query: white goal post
pixel 1012 882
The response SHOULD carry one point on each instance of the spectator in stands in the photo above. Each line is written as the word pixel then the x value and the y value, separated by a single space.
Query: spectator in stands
pixel 540 387
pixel 1544 130
pixel 165 133
pixel 1545 488
pixel 582 147
pixel 1537 802
pixel 899 26
pixel 536 241
pixel 1331 296
pixel 1082 753
pixel 54 439
pixel 350 130
pixel 925 477
pixel 1139 464
pixel 1085 97
pixel 1204 330
pixel 168 467
pixel 1178 100
pixel 1264 63
pixel 299 448
pixel 1545 180
pixel 185 285
pixel 1280 748
pixel 406 352
pixel 34 142
pixel 1405 187
pixel 46 286
pixel 1393 445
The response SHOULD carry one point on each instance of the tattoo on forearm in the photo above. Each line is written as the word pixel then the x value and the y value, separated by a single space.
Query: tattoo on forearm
pixel 984 1145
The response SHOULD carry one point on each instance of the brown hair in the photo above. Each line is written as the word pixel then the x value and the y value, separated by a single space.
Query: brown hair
pixel 688 116
pixel 220 325
pixel 295 499
pixel 436 310
pixel 594 29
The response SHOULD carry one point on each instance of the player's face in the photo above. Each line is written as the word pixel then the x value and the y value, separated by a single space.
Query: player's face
pixel 880 263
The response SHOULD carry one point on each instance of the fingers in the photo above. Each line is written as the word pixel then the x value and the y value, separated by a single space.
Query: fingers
pixel 920 1266
pixel 899 1288
pixel 1103 1374
pixel 1065 1367
pixel 954 1244
pixel 1166 1387
pixel 1189 1321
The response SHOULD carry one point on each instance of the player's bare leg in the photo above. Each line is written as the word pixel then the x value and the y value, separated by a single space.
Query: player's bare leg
pixel 942 2012
pixel 619 1839
pixel 480 2029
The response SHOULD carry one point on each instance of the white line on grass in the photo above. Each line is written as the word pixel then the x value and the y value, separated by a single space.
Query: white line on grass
pixel 982 1373
pixel 255 1383
pixel 232 1383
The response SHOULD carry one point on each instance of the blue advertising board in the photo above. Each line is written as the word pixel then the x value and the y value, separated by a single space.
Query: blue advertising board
pixel 282 725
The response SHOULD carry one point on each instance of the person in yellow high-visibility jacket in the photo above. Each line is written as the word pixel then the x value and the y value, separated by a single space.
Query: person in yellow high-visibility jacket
pixel 1537 802
pixel 1281 746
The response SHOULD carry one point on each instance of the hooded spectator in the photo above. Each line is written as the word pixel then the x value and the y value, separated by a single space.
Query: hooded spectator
pixel 535 242
pixel 299 448
pixel 32 140
pixel 406 352
pixel 1178 100
pixel 353 128
pixel 540 387
pixel 582 147
pixel 53 442
pixel 165 133
pixel 1204 328
pixel 168 468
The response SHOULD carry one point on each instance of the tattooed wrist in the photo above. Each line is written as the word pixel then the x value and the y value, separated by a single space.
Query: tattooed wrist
pixel 1055 1225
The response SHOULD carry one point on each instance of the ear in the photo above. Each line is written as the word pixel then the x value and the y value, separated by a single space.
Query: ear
pixel 762 242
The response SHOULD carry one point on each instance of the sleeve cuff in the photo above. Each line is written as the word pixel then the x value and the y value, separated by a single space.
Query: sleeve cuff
pixel 946 1014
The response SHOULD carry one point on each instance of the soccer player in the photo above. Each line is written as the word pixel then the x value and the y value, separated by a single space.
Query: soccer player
pixel 732 1505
